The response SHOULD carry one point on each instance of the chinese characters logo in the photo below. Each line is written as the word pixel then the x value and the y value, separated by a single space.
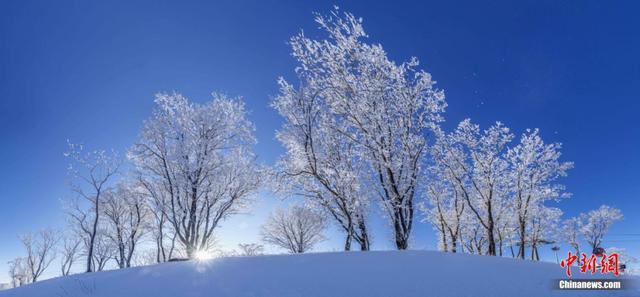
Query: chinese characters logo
pixel 602 262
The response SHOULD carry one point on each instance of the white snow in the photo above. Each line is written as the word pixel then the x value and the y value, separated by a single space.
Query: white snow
pixel 388 273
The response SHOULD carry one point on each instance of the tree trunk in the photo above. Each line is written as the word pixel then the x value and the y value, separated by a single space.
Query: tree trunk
pixel 190 251
pixel 402 227
pixel 347 242
pixel 122 261
pixel 364 235
pixel 401 242
pixel 364 246
pixel 491 240
pixel 522 239
pixel 444 237
pixel 93 235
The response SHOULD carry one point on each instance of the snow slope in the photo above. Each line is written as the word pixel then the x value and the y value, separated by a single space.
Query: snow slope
pixel 389 273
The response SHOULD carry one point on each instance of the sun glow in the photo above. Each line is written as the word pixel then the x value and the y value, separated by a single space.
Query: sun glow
pixel 203 255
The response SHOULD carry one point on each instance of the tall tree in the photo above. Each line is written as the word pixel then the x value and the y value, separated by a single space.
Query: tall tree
pixel 92 172
pixel 321 164
pixel 201 156
pixel 475 161
pixel 383 108
pixel 534 169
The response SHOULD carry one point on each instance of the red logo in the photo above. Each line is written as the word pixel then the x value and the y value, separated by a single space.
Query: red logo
pixel 606 264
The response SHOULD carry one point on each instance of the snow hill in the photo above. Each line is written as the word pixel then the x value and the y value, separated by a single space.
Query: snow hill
pixel 366 274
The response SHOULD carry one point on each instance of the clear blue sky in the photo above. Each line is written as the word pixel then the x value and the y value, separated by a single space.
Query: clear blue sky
pixel 88 72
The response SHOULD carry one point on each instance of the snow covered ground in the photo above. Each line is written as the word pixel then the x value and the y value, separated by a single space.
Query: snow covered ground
pixel 389 273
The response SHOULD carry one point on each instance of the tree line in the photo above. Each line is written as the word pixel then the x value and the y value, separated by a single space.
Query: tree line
pixel 359 131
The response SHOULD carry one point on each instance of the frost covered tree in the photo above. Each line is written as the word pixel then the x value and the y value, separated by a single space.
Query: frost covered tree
pixel 161 229
pixel 126 214
pixel 543 223
pixel 321 164
pixel 445 208
pixel 103 252
pixel 145 257
pixel 383 108
pixel 475 161
pixel 40 248
pixel 200 157
pixel 502 187
pixel 624 257
pixel 250 249
pixel 92 172
pixel 19 272
pixel 69 253
pixel 571 231
pixel 534 168
pixel 505 227
pixel 472 234
pixel 297 229
pixel 596 223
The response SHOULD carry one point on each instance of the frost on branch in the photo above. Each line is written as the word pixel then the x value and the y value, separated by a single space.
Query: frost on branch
pixel 40 248
pixel 92 174
pixel 534 168
pixel 126 214
pixel 380 109
pixel 502 189
pixel 596 223
pixel 198 159
pixel 321 163
pixel 297 229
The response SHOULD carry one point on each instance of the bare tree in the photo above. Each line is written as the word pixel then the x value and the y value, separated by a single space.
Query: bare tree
pixel 19 272
pixel 297 229
pixel 125 212
pixel 201 157
pixel 69 253
pixel 93 171
pixel 40 250
pixel 251 249
pixel 145 257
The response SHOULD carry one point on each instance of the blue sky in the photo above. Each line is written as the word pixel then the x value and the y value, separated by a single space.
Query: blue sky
pixel 88 72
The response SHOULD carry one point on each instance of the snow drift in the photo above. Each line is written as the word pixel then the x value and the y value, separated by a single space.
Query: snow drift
pixel 353 274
